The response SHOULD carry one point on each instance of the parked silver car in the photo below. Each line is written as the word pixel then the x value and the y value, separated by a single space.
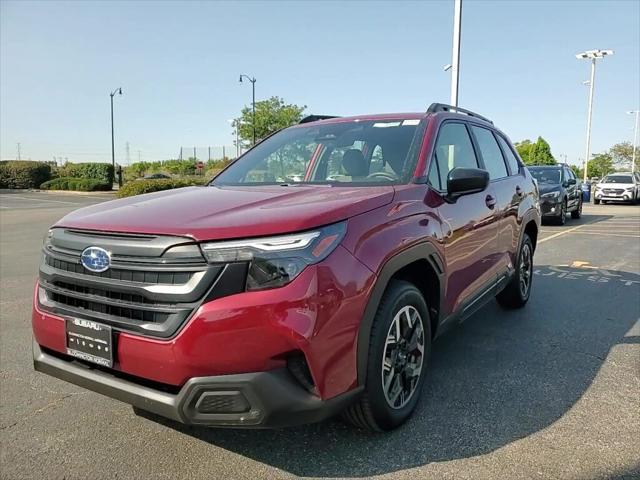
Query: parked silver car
pixel 618 187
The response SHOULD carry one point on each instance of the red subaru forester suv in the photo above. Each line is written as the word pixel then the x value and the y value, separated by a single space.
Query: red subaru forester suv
pixel 309 278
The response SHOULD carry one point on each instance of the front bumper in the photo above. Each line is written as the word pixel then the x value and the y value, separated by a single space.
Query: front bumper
pixel 614 197
pixel 253 400
pixel 550 208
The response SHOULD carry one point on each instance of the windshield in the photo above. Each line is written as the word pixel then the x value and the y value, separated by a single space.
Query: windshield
pixel 352 152
pixel 617 179
pixel 546 175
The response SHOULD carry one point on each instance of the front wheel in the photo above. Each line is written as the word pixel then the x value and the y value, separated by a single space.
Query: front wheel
pixel 577 213
pixel 596 201
pixel 399 347
pixel 516 293
pixel 562 219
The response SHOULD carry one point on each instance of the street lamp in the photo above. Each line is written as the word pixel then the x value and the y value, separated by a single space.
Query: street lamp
pixel 253 101
pixel 113 151
pixel 593 55
pixel 635 139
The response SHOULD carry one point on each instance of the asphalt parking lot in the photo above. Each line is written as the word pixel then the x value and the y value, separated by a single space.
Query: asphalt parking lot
pixel 550 391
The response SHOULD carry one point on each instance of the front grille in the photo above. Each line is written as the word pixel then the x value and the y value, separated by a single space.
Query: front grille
pixel 124 313
pixel 615 191
pixel 154 285
pixel 165 278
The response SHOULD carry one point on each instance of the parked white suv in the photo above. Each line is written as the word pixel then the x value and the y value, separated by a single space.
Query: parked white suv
pixel 618 187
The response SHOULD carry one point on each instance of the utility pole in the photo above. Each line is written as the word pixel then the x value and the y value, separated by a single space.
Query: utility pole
pixel 635 139
pixel 593 55
pixel 19 151
pixel 113 150
pixel 128 155
pixel 455 57
pixel 237 138
pixel 253 101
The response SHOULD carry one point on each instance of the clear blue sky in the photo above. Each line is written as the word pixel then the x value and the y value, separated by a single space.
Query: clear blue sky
pixel 178 64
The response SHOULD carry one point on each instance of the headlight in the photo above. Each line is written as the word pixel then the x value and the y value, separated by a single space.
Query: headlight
pixel 630 189
pixel 276 261
pixel 598 187
pixel 552 195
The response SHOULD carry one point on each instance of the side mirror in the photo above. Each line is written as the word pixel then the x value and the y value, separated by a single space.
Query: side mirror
pixel 571 181
pixel 465 181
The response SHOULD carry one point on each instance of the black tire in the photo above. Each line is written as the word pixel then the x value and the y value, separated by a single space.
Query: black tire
pixel 562 218
pixel 513 295
pixel 596 201
pixel 373 411
pixel 577 213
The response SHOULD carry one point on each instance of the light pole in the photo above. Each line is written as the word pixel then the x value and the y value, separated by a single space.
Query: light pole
pixel 253 101
pixel 455 57
pixel 593 55
pixel 113 151
pixel 635 139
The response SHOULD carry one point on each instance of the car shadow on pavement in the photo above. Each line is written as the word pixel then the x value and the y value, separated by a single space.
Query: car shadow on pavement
pixel 501 376
pixel 587 218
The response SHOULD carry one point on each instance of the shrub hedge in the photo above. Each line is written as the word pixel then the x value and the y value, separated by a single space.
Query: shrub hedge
pixel 138 187
pixel 99 171
pixel 23 174
pixel 77 184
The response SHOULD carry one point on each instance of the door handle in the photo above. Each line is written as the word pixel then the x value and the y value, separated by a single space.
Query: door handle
pixel 518 191
pixel 490 201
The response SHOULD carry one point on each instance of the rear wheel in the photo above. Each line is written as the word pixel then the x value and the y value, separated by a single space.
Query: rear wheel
pixel 577 213
pixel 399 347
pixel 517 292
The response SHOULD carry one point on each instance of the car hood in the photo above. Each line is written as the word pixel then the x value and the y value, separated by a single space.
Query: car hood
pixel 547 187
pixel 614 185
pixel 211 213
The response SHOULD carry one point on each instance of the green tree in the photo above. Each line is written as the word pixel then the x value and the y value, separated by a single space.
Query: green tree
pixel 538 153
pixel 524 150
pixel 600 165
pixel 622 155
pixel 271 115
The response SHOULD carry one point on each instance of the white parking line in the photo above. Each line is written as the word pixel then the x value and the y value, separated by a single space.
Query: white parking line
pixel 37 199
pixel 604 234
pixel 564 232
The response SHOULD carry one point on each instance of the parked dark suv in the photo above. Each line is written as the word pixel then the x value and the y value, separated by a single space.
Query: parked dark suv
pixel 264 301
pixel 560 192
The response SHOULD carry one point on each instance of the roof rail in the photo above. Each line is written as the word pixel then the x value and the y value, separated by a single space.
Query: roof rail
pixel 315 118
pixel 443 107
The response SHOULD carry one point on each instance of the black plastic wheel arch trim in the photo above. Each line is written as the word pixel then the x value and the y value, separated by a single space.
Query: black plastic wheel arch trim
pixel 421 251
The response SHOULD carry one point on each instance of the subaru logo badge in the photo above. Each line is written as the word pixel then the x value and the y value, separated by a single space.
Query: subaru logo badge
pixel 95 259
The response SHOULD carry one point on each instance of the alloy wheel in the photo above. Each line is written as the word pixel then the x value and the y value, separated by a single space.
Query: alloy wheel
pixel 526 270
pixel 403 357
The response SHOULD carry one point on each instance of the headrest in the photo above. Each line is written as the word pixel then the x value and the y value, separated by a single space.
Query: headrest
pixel 354 163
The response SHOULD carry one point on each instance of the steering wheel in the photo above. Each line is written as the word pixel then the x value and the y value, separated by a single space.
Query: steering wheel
pixel 385 175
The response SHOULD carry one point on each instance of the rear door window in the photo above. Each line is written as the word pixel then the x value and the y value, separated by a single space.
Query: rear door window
pixel 491 153
pixel 512 161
